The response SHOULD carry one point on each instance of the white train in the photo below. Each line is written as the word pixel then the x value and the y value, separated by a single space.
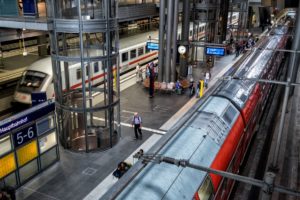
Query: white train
pixel 38 77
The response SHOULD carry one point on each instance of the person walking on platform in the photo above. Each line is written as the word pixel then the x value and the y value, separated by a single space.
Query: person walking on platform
pixel 151 81
pixel 137 124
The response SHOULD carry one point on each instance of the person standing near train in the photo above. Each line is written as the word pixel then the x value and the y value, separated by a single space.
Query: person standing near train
pixel 138 72
pixel 207 77
pixel 151 80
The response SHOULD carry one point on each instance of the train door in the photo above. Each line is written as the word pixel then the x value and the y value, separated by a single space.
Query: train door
pixel 124 61
pixel 133 55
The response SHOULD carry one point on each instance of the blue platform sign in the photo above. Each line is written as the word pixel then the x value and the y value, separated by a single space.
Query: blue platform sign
pixel 38 97
pixel 24 135
pixel 215 51
pixel 29 8
pixel 152 46
pixel 25 117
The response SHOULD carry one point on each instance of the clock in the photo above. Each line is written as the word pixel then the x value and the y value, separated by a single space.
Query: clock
pixel 181 49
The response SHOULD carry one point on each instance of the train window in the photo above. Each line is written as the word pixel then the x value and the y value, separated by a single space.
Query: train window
pixel 78 74
pixel 147 50
pixel 140 51
pixel 5 145
pixel 229 115
pixel 87 70
pixel 125 57
pixel 32 79
pixel 191 33
pixel 206 190
pixel 96 67
pixel 132 53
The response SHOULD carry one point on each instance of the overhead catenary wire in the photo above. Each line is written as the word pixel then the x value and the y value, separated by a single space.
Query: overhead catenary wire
pixel 157 159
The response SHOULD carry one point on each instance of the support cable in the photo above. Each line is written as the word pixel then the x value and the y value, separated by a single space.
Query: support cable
pixel 265 185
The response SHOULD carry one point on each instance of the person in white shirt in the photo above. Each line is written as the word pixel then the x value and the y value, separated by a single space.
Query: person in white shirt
pixel 138 72
pixel 207 77
pixel 137 124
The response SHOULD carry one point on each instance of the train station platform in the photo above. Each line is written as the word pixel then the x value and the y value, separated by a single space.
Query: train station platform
pixel 89 176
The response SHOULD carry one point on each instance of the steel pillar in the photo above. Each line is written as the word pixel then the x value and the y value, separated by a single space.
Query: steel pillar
pixel 169 40
pixel 185 38
pixel 161 40
pixel 174 42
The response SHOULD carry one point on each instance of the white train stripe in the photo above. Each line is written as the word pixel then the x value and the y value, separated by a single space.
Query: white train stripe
pixel 143 128
pixel 126 111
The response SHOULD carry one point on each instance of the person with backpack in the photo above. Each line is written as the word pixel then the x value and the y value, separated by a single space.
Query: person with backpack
pixel 137 124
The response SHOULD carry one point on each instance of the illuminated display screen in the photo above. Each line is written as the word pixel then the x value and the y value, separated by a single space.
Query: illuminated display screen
pixel 47 142
pixel 152 45
pixel 217 51
pixel 27 153
pixel 7 165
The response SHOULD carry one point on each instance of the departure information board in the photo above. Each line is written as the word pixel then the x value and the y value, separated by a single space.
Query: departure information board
pixel 216 51
pixel 152 45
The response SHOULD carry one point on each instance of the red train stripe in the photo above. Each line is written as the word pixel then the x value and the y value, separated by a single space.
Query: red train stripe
pixel 101 75
pixel 227 151
pixel 142 58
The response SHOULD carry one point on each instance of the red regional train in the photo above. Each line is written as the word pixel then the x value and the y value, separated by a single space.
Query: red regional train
pixel 215 134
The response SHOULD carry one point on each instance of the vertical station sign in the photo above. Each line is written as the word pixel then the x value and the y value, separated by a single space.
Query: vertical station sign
pixel 28 144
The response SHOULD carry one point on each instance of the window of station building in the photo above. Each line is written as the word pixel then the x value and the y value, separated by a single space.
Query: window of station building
pixel 96 67
pixel 45 124
pixel 27 152
pixel 147 50
pixel 125 57
pixel 5 145
pixel 7 165
pixel 47 142
pixel 10 180
pixel 140 51
pixel 48 158
pixel 28 170
pixel 78 74
pixel 132 53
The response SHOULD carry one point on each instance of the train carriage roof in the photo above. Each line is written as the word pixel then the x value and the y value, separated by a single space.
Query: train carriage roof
pixel 198 141
pixel 253 67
